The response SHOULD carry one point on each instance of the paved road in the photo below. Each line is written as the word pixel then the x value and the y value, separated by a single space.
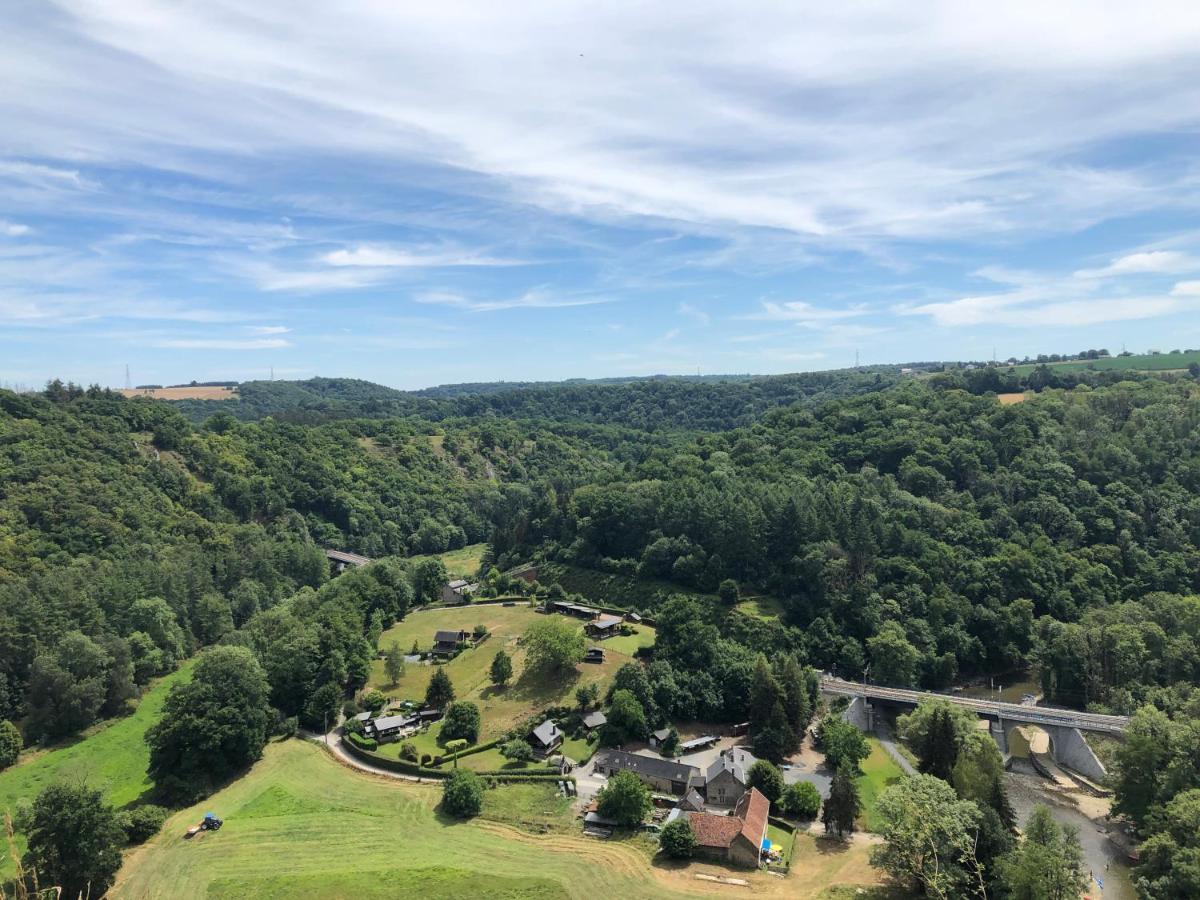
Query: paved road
pixel 1015 712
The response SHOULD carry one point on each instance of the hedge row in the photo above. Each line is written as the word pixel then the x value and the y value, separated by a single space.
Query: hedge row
pixel 407 768
pixel 395 765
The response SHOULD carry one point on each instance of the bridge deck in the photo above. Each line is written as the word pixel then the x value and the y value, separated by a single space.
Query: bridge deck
pixel 1013 712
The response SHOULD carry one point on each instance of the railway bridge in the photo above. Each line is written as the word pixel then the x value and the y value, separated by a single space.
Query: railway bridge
pixel 1066 727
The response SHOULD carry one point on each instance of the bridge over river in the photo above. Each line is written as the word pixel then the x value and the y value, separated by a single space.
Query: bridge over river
pixel 1045 716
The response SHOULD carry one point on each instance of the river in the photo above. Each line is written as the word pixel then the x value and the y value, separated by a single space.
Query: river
pixel 1105 862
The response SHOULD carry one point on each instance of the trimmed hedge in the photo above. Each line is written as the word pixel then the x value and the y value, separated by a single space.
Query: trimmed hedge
pixel 361 741
pixel 407 768
pixel 386 762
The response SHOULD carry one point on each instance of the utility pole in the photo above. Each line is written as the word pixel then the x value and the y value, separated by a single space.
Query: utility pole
pixel 128 383
pixel 856 357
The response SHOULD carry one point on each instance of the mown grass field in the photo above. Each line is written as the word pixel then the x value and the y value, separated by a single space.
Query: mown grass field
pixel 879 771
pixel 299 824
pixel 501 708
pixel 460 563
pixel 1145 362
pixel 112 758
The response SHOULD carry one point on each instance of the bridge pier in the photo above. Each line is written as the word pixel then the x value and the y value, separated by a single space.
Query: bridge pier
pixel 1070 749
pixel 861 715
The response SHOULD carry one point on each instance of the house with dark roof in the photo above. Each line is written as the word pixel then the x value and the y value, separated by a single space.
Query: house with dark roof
pixel 390 728
pixel 456 591
pixel 604 626
pixel 594 720
pixel 546 738
pixel 691 802
pixel 663 775
pixel 736 838
pixel 447 643
pixel 659 737
pixel 728 776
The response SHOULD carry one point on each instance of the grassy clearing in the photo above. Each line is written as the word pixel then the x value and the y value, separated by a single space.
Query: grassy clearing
pixel 460 563
pixel 607 589
pixel 534 807
pixel 112 758
pixel 761 607
pixel 502 708
pixel 879 771
pixel 429 884
pixel 301 825
pixel 629 644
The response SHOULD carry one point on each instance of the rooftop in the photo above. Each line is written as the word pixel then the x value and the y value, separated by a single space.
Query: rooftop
pixel 595 719
pixel 547 732
pixel 650 766
pixel 607 621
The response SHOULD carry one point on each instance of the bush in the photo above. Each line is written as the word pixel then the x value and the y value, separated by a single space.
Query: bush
pixel 426 759
pixel 462 794
pixel 363 742
pixel 462 721
pixel 677 839
pixel 10 744
pixel 801 801
pixel 624 799
pixel 517 751
pixel 480 631
pixel 143 822
pixel 288 726
pixel 374 700
pixel 354 726
pixel 768 779
pixel 408 751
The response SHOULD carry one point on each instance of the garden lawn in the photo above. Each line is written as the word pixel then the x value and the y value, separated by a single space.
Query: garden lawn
pixel 299 824
pixel 112 758
pixel 579 749
pixel 879 771
pixel 783 840
pixel 629 644
pixel 502 708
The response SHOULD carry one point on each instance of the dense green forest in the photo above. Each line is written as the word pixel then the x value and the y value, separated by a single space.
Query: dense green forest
pixel 915 526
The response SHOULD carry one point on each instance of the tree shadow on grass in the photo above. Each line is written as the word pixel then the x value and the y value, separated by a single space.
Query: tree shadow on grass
pixel 830 845
pixel 541 685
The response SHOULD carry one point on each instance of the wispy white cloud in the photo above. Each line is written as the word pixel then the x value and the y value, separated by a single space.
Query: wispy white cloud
pixel 378 256
pixel 1152 262
pixel 222 344
pixel 804 312
pixel 693 312
pixel 536 299
pixel 268 329
pixel 13 229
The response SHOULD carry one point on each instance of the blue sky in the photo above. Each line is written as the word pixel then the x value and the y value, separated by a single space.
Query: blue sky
pixel 428 193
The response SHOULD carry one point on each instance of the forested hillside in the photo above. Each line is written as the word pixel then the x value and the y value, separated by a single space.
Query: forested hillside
pixel 916 527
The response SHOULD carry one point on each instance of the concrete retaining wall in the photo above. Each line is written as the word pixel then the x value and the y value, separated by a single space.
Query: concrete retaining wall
pixel 1070 748
pixel 860 714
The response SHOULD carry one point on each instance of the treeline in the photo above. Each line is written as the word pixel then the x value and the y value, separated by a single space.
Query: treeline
pixel 925 531
pixel 648 405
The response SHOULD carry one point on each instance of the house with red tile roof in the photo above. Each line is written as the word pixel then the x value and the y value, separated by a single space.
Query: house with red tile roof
pixel 736 838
